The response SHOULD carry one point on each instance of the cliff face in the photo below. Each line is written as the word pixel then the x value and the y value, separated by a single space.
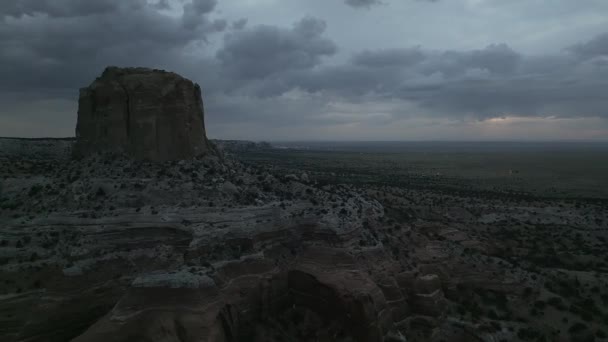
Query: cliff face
pixel 148 114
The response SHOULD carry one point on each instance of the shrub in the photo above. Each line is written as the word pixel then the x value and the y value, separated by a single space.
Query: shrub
pixel 34 190
pixel 577 327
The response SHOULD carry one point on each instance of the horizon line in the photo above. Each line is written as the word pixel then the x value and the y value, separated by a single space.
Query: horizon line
pixel 366 140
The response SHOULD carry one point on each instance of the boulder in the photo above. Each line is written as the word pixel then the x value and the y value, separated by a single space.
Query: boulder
pixel 228 188
pixel 145 113
pixel 427 284
pixel 292 177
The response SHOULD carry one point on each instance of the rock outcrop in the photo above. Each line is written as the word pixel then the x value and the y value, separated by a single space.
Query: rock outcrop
pixel 145 113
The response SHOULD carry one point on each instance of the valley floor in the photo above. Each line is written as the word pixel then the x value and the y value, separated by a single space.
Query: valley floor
pixel 520 241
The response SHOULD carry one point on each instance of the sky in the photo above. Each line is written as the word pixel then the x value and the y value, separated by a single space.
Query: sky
pixel 323 69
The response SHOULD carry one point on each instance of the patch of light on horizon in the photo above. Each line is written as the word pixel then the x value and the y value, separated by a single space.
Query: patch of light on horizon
pixel 510 119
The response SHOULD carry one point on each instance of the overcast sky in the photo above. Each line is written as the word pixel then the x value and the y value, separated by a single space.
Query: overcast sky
pixel 323 69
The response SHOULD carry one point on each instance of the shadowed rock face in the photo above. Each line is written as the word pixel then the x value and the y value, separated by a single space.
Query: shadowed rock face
pixel 252 300
pixel 148 114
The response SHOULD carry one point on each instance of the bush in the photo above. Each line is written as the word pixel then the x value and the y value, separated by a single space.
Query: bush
pixel 100 192
pixel 577 327
pixel 527 334
pixel 34 190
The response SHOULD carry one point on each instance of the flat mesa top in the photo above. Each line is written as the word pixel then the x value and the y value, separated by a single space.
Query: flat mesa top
pixel 116 72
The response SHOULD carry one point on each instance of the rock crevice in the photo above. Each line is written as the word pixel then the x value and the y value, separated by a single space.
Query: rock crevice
pixel 128 110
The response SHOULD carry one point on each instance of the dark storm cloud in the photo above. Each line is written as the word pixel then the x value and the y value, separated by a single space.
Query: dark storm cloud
pixel 482 99
pixel 162 5
pixel 477 84
pixel 383 72
pixel 200 6
pixel 219 25
pixel 362 3
pixel 389 57
pixel 67 51
pixel 497 81
pixel 348 81
pixel 264 50
pixel 239 24
pixel 369 3
pixel 497 58
pixel 62 8
pixel 194 11
pixel 594 48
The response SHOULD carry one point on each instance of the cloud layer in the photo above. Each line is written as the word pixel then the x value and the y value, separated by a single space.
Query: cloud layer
pixel 291 77
pixel 362 3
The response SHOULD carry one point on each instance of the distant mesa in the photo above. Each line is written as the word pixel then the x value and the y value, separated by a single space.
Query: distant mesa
pixel 146 113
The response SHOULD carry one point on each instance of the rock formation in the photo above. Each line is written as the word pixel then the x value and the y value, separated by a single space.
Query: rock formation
pixel 148 114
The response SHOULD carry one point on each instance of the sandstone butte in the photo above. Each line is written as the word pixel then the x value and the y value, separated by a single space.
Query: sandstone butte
pixel 146 113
